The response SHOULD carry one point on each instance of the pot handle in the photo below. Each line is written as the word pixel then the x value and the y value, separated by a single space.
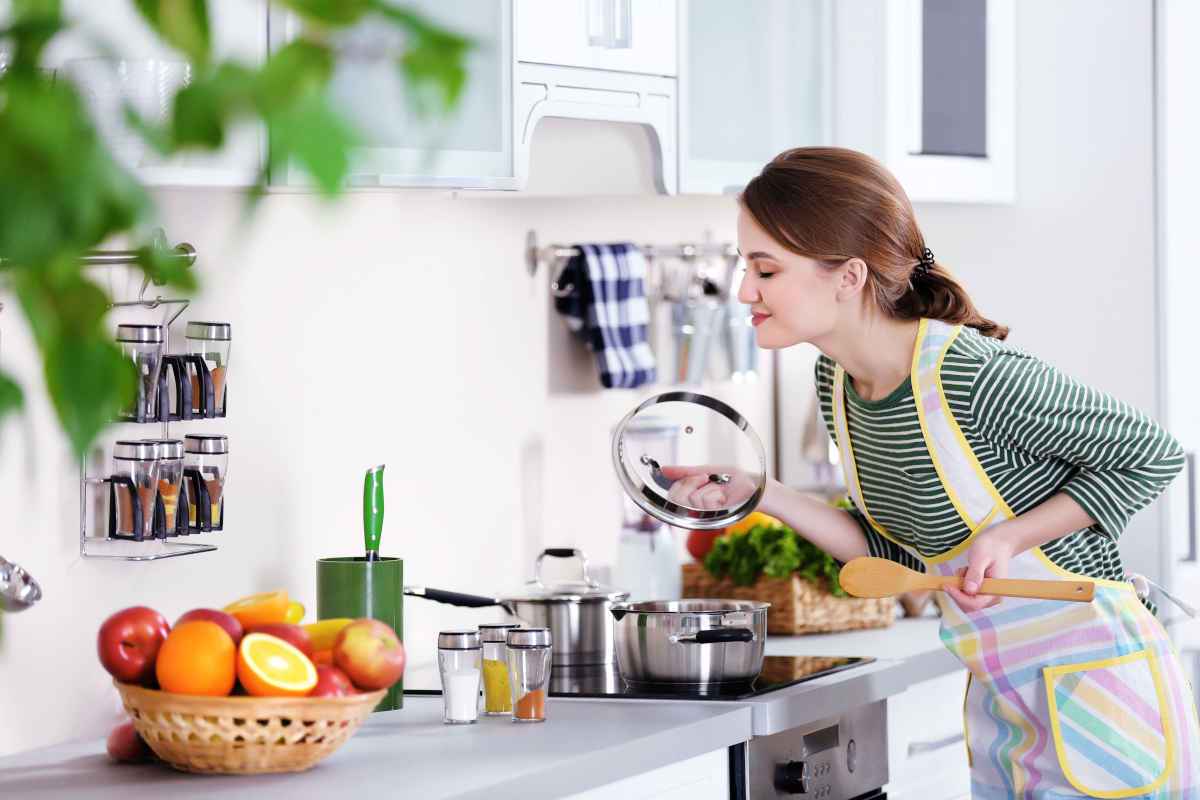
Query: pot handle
pixel 717 636
pixel 451 598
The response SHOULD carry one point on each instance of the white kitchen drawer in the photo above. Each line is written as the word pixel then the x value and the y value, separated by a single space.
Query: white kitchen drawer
pixel 619 35
pixel 927 758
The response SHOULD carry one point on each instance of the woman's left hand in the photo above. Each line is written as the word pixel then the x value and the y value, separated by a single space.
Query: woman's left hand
pixel 987 557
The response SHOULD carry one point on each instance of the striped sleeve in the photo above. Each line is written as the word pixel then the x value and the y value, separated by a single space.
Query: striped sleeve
pixel 880 547
pixel 1124 459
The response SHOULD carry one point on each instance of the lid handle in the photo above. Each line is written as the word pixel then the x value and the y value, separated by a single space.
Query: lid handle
pixel 563 552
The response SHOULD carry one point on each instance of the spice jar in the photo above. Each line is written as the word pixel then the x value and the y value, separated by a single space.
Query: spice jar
pixel 143 345
pixel 205 469
pixel 458 664
pixel 211 341
pixel 529 672
pixel 170 482
pixel 497 700
pixel 134 487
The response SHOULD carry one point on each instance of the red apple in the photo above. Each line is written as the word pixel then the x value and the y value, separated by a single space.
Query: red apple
pixel 332 682
pixel 226 621
pixel 368 651
pixel 128 644
pixel 292 634
pixel 700 542
pixel 126 746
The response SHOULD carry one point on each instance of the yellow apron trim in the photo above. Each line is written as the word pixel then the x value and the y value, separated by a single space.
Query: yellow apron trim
pixel 962 546
pixel 918 393
pixel 1164 715
pixel 849 464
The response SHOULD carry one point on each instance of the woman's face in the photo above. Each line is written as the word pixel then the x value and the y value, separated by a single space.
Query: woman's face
pixel 793 298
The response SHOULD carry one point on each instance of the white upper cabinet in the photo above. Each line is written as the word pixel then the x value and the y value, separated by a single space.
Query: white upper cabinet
pixel 618 35
pixel 754 81
pixel 473 148
pixel 146 73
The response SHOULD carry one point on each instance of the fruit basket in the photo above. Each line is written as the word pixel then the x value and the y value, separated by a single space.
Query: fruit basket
pixel 244 735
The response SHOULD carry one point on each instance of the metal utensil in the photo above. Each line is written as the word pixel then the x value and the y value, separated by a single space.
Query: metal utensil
pixel 18 589
pixel 697 642
pixel 879 577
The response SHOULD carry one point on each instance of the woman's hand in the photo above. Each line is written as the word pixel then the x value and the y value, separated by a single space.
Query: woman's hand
pixel 987 557
pixel 692 487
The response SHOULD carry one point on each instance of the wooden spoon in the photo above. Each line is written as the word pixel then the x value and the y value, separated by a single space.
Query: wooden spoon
pixel 879 577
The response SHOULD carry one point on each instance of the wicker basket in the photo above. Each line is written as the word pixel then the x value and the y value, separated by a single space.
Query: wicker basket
pixel 244 735
pixel 797 606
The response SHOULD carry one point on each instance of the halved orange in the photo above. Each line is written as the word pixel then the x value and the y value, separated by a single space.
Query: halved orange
pixel 271 667
pixel 260 609
pixel 295 612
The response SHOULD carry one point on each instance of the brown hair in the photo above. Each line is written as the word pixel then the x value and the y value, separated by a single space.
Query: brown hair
pixel 832 204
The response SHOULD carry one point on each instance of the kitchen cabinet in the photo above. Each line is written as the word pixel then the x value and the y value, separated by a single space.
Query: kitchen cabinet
pixel 148 79
pixel 704 777
pixel 471 149
pixel 754 80
pixel 618 35
pixel 927 759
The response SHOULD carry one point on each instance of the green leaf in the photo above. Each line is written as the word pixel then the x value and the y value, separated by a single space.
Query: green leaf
pixel 90 382
pixel 434 60
pixel 11 398
pixel 181 23
pixel 329 12
pixel 166 268
pixel 315 136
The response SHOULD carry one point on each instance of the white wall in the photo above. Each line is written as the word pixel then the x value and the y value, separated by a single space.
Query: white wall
pixel 398 327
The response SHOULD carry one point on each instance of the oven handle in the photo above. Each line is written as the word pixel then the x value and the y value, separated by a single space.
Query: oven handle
pixel 917 748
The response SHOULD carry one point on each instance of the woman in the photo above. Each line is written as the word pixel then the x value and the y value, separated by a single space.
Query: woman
pixel 964 455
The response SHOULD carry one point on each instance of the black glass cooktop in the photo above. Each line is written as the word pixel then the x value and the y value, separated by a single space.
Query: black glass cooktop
pixel 778 672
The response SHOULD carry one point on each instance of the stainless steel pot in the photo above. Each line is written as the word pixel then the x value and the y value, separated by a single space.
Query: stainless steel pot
pixel 690 641
pixel 576 612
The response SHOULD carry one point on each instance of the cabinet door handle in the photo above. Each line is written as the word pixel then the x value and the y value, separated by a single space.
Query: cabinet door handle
pixel 610 24
pixel 622 25
pixel 917 748
pixel 1190 466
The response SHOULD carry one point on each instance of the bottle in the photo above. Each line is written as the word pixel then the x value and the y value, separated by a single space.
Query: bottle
pixel 458 665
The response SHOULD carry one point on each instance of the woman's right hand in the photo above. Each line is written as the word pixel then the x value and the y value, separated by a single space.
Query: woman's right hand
pixel 693 487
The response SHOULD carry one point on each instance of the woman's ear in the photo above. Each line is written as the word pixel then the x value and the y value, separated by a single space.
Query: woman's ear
pixel 853 279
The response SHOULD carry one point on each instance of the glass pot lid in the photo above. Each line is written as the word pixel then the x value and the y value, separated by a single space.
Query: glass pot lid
pixel 690 460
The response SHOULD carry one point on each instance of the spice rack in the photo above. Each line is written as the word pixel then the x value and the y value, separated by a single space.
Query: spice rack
pixel 112 545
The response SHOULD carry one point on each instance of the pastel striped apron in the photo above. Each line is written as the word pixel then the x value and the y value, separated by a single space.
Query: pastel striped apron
pixel 1063 699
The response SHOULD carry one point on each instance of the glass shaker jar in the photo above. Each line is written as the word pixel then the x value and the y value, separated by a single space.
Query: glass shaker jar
pixel 135 486
pixel 497 700
pixel 206 466
pixel 143 345
pixel 529 672
pixel 170 481
pixel 458 665
pixel 210 341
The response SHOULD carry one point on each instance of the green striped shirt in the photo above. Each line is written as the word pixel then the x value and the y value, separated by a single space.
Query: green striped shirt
pixel 1035 431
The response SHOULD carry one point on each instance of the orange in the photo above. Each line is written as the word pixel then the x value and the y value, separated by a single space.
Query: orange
pixel 755 518
pixel 260 609
pixel 324 632
pixel 197 658
pixel 270 667
pixel 295 612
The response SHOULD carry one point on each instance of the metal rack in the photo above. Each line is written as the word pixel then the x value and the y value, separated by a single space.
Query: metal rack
pixel 120 549
pixel 689 254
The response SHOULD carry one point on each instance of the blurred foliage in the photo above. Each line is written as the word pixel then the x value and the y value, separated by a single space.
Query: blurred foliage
pixel 775 550
pixel 64 192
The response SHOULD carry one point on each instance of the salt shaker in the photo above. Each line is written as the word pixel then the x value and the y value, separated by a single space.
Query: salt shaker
pixel 529 672
pixel 497 700
pixel 458 664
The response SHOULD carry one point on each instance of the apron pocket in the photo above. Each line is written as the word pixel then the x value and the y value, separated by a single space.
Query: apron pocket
pixel 1111 732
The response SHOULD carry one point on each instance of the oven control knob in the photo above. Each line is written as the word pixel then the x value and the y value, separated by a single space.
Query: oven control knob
pixel 792 777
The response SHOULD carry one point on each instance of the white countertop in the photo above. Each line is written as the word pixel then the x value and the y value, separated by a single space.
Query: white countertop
pixel 583 744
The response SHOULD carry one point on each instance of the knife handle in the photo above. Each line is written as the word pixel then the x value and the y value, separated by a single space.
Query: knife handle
pixel 373 508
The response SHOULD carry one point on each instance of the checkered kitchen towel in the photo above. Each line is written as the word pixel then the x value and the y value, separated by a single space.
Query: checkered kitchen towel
pixel 606 307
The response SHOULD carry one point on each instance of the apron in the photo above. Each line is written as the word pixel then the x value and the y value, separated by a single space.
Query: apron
pixel 1063 699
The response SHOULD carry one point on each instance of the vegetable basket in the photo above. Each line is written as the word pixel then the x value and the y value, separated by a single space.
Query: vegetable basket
pixel 244 735
pixel 797 605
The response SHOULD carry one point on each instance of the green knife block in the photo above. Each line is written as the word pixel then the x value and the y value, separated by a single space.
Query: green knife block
pixel 354 587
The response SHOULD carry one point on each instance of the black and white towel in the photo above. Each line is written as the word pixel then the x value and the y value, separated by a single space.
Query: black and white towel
pixel 606 307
